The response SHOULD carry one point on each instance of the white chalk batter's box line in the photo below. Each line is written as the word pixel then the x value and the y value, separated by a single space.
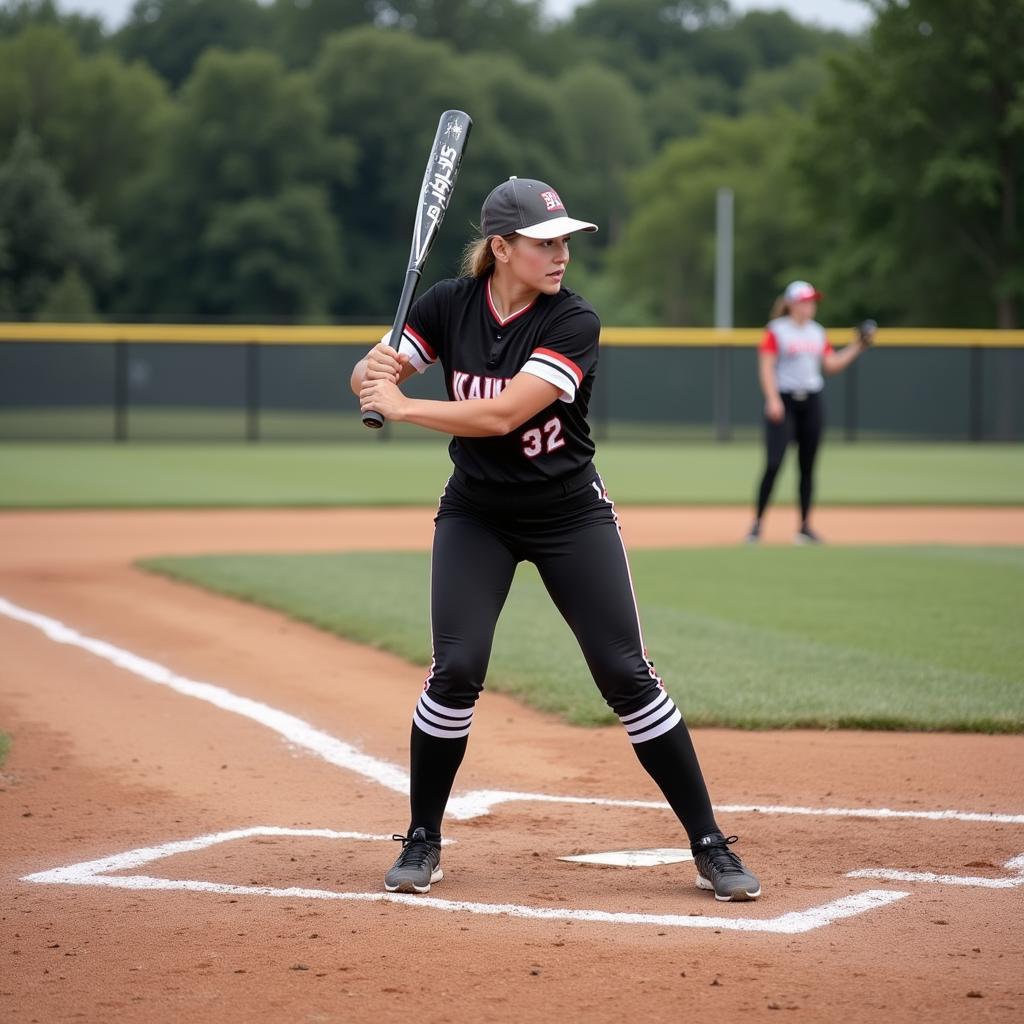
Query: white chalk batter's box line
pixel 101 873
pixel 476 803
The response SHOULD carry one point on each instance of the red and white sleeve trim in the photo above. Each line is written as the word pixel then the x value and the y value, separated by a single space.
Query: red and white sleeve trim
pixel 555 369
pixel 769 344
pixel 420 352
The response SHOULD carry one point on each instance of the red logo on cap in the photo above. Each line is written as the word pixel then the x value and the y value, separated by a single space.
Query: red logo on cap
pixel 551 200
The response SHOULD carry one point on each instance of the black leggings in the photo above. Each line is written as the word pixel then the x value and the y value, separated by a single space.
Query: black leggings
pixel 577 549
pixel 804 421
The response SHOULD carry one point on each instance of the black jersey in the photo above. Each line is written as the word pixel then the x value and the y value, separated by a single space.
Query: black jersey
pixel 554 338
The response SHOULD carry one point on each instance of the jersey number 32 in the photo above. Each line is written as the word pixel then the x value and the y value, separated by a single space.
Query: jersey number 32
pixel 541 440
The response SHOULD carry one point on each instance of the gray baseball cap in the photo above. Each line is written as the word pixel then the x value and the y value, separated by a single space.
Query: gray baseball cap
pixel 527 207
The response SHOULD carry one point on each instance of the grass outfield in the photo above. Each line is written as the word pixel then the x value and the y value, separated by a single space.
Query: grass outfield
pixel 5 745
pixel 43 475
pixel 877 638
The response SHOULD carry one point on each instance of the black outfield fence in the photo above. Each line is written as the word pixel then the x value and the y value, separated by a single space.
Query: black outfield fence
pixel 164 382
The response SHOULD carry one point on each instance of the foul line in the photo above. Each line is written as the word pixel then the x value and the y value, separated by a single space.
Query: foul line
pixel 98 872
pixel 469 805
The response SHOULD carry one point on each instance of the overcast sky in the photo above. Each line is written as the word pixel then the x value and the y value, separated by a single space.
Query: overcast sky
pixel 850 15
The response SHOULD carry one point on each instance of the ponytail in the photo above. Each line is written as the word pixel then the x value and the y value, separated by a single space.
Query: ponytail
pixel 780 307
pixel 478 256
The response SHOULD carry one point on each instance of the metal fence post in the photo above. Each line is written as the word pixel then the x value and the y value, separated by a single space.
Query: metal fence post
pixel 121 390
pixel 723 310
pixel 975 396
pixel 252 391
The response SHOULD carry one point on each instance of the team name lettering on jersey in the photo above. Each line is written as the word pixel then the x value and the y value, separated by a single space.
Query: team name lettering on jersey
pixel 555 339
pixel 796 347
pixel 472 385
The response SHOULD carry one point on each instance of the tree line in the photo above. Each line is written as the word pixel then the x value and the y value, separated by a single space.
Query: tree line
pixel 229 159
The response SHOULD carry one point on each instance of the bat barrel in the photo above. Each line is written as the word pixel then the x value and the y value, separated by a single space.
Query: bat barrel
pixel 442 169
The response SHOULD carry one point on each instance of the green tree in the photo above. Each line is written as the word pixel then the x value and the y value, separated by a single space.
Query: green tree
pixel 523 122
pixel 384 88
pixel 249 128
pixel 240 177
pixel 299 29
pixel 608 140
pixel 96 120
pixel 777 39
pixel 689 58
pixel 275 257
pixel 734 50
pixel 645 31
pixel 69 300
pixel 796 86
pixel 498 26
pixel 171 35
pixel 17 15
pixel 915 163
pixel 676 106
pixel 44 234
pixel 666 257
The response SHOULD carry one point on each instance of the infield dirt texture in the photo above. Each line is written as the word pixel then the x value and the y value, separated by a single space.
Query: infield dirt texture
pixel 143 712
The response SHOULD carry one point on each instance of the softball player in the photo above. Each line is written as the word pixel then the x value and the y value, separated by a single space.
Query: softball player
pixel 791 358
pixel 519 353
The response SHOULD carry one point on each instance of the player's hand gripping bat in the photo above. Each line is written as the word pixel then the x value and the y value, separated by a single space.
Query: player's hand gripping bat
pixel 435 194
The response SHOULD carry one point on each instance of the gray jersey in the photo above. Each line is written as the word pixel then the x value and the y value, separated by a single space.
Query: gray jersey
pixel 799 349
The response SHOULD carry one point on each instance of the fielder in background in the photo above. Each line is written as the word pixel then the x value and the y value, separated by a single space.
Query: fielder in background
pixel 519 355
pixel 791 358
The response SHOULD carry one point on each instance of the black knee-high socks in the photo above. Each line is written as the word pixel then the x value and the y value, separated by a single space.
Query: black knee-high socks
pixel 434 763
pixel 672 762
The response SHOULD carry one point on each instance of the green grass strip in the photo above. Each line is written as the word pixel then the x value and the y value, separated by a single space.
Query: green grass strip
pixel 5 746
pixel 874 638
pixel 396 472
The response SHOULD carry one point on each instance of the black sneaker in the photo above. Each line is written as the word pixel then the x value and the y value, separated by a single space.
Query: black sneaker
pixel 805 535
pixel 721 871
pixel 418 865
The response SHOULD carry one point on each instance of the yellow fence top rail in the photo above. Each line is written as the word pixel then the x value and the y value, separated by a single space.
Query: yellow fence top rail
pixel 367 334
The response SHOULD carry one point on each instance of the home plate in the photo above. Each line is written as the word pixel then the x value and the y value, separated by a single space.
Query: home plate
pixel 632 858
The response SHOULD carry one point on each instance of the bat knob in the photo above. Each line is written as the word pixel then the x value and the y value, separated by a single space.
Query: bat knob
pixel 374 420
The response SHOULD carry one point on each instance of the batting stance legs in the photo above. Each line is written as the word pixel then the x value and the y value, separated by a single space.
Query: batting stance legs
pixel 574 541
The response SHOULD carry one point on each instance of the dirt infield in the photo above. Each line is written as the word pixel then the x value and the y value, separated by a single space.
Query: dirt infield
pixel 145 713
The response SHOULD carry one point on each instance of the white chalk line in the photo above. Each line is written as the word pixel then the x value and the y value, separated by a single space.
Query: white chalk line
pixel 90 869
pixel 343 755
pixel 1015 864
pixel 293 729
pixel 98 873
